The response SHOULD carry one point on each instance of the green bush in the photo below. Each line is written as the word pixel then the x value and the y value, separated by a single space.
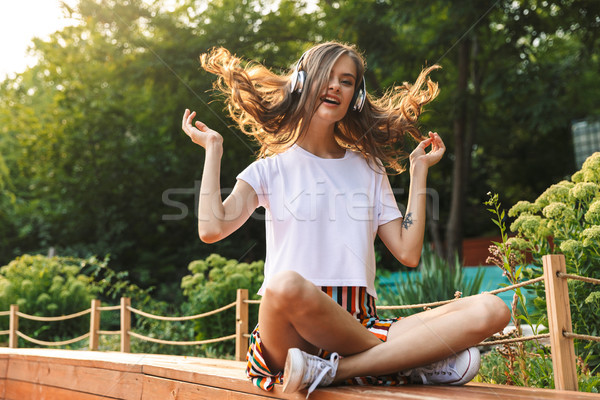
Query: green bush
pixel 565 219
pixel 530 366
pixel 56 286
pixel 182 331
pixel 504 366
pixel 47 287
pixel 433 280
pixel 213 284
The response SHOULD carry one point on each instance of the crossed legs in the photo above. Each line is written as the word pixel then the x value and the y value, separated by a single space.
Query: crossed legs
pixel 295 313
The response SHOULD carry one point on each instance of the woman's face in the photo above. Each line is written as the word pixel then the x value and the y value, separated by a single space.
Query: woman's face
pixel 334 98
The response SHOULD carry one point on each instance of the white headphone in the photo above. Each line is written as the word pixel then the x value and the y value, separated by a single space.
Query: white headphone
pixel 299 77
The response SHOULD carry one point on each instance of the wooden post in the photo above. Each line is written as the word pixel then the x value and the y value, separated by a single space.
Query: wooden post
pixel 125 324
pixel 559 321
pixel 241 325
pixel 13 339
pixel 94 324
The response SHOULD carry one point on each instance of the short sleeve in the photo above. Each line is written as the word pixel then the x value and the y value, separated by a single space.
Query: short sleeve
pixel 256 176
pixel 388 207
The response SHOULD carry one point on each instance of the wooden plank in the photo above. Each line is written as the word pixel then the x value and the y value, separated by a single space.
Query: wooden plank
pixel 559 321
pixel 118 360
pixel 170 377
pixel 225 377
pixel 3 365
pixel 467 392
pixel 98 381
pixel 241 325
pixel 161 389
pixel 129 362
pixel 234 380
pixel 3 368
pixel 17 390
pixel 534 393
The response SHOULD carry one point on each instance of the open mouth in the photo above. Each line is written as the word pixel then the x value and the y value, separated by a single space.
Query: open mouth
pixel 330 100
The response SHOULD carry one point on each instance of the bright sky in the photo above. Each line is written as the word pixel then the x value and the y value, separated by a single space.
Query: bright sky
pixel 21 21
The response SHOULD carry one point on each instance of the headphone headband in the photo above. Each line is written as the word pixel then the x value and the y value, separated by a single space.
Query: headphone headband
pixel 298 79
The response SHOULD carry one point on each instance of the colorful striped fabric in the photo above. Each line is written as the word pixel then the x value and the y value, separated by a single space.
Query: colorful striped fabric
pixel 357 302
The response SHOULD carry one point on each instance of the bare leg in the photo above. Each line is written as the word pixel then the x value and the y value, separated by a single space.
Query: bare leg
pixel 430 336
pixel 296 313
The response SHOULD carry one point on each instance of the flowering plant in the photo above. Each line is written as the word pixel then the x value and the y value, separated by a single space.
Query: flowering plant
pixel 565 219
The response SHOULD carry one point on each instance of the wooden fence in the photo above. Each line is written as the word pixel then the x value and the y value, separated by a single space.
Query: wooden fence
pixel 557 297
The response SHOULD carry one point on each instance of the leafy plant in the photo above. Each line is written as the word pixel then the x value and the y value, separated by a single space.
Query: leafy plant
pixel 566 219
pixel 520 359
pixel 48 287
pixel 531 366
pixel 536 371
pixel 213 284
pixel 56 286
pixel 433 280
pixel 166 330
pixel 511 260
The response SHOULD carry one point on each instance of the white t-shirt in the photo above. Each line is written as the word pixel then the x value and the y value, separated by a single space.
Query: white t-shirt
pixel 322 215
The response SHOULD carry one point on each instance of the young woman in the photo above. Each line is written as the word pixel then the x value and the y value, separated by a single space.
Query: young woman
pixel 321 176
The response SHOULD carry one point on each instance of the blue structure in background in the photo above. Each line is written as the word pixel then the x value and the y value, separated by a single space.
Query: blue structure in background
pixel 492 280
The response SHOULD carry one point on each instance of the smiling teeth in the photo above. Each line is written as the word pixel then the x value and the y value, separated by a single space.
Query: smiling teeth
pixel 331 100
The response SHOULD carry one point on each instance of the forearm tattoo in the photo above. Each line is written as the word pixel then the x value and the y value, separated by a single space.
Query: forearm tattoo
pixel 408 221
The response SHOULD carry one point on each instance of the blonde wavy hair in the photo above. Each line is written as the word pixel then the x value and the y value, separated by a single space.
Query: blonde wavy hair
pixel 266 108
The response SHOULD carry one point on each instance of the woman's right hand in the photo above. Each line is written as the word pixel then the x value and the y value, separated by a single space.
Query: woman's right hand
pixel 198 131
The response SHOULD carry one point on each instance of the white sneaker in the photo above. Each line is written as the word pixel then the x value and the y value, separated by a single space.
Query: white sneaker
pixel 455 370
pixel 303 369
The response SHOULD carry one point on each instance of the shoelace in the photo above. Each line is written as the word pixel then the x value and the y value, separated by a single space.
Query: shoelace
pixel 325 367
pixel 436 368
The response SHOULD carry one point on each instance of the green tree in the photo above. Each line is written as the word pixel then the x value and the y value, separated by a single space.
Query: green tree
pixel 93 160
pixel 96 160
pixel 506 88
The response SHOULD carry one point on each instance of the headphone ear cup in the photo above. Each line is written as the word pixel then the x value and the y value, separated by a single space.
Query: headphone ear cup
pixel 301 78
pixel 298 77
pixel 360 96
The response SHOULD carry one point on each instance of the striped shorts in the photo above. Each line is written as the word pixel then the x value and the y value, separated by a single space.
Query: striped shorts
pixel 357 302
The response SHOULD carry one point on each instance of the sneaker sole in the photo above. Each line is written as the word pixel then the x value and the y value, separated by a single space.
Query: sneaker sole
pixel 294 371
pixel 474 364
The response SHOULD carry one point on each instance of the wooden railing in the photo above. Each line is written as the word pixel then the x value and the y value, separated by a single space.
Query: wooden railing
pixel 557 298
pixel 125 331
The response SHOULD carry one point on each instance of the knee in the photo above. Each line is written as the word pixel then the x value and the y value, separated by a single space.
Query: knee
pixel 286 289
pixel 493 313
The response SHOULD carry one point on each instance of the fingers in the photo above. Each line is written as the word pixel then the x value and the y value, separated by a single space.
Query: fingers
pixel 187 123
pixel 185 116
pixel 424 143
pixel 437 144
pixel 190 118
pixel 420 154
pixel 201 126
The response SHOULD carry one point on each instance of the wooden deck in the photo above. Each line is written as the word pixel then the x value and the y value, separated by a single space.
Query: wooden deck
pixel 85 375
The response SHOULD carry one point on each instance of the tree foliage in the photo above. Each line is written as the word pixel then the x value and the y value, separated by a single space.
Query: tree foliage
pixel 519 97
pixel 92 159
pixel 94 152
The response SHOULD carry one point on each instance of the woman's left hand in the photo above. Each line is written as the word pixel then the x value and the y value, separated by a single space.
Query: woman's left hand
pixel 419 155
